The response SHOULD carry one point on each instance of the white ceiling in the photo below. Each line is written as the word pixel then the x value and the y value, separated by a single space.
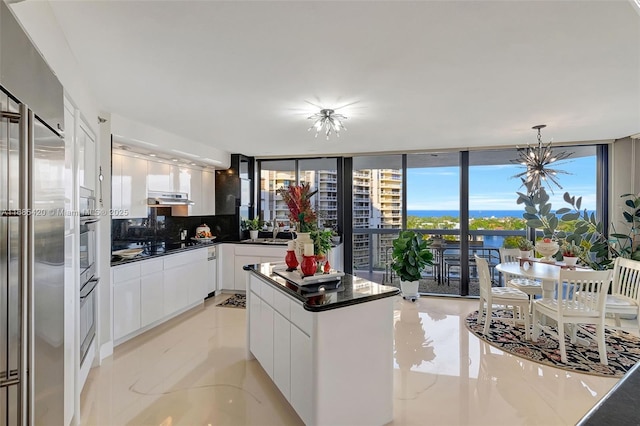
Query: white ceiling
pixel 419 75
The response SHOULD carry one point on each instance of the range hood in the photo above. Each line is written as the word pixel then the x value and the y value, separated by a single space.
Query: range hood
pixel 159 199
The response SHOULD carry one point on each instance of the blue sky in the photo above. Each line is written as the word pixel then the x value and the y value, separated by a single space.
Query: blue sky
pixel 493 188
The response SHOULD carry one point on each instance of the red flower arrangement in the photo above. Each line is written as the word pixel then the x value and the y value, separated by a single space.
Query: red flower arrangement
pixel 298 200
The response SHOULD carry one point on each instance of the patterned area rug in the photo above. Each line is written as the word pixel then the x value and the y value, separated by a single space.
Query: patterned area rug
pixel 235 301
pixel 623 349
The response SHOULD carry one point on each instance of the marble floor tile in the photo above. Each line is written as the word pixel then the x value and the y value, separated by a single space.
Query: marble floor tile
pixel 193 370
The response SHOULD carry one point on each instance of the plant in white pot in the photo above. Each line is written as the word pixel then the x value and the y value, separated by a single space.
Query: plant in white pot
pixel 253 225
pixel 410 257
pixel 525 246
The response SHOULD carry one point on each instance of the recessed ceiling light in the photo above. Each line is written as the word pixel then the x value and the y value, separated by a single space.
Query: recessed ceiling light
pixel 152 155
pixel 174 159
pixel 193 164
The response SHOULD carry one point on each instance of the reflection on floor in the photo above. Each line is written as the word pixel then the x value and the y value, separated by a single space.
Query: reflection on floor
pixel 193 371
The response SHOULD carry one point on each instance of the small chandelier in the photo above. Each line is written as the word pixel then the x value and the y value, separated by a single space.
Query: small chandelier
pixel 327 122
pixel 537 160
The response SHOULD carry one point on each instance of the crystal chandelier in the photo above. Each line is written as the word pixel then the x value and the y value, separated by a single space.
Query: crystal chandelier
pixel 327 122
pixel 537 160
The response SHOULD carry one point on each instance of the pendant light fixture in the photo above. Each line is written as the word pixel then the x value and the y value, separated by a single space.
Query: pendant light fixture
pixel 537 160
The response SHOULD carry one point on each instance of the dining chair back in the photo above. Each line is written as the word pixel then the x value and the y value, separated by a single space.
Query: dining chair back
pixel 508 255
pixel 510 298
pixel 581 298
pixel 625 290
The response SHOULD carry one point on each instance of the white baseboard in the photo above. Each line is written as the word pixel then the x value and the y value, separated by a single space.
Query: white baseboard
pixel 106 350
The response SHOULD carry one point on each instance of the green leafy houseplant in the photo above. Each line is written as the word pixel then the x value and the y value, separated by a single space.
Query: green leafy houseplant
pixel 570 249
pixel 524 244
pixel 253 224
pixel 510 242
pixel 411 254
pixel 321 241
pixel 581 228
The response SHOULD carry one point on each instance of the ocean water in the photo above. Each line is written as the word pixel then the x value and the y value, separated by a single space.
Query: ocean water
pixel 472 213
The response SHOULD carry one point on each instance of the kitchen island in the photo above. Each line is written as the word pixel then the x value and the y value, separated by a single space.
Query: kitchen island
pixel 327 346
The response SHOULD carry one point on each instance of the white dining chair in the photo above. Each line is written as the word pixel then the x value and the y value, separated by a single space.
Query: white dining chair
pixel 529 286
pixel 580 300
pixel 625 290
pixel 510 298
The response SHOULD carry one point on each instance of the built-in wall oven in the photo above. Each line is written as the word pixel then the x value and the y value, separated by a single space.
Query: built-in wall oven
pixel 88 279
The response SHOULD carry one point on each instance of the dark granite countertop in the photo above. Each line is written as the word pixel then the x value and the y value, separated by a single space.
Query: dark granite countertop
pixel 618 407
pixel 150 251
pixel 348 291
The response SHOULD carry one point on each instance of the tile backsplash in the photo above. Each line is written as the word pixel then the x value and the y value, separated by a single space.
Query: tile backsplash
pixel 160 227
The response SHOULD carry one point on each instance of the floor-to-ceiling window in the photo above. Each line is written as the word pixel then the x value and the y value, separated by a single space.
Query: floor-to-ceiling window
pixel 455 198
pixel 320 173
pixel 433 208
pixel 377 212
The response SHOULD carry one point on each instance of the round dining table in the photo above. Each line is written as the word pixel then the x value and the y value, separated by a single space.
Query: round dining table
pixel 547 273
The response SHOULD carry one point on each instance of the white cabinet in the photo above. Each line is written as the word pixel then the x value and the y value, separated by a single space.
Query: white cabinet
pixel 161 176
pixel 200 186
pixel 195 192
pixel 128 186
pixel 116 181
pixel 240 278
pixel 297 349
pixel 208 193
pixel 148 292
pixel 226 266
pixel 175 292
pixel 126 307
pixel 301 374
pixel 283 349
pixel 196 284
pixel 235 256
pixel 134 187
pixel 151 297
pixel 282 354
pixel 86 142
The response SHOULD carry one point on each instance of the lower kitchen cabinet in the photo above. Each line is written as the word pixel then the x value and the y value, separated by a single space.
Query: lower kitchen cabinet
pixel 233 257
pixel 152 298
pixel 282 354
pixel 149 292
pixel 126 307
pixel 301 374
pixel 175 291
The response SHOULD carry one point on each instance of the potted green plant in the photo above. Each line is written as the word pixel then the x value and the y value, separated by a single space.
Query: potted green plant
pixel 321 242
pixel 570 252
pixel 525 246
pixel 410 256
pixel 253 225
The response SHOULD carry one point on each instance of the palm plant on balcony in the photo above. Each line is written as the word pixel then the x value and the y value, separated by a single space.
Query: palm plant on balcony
pixel 410 256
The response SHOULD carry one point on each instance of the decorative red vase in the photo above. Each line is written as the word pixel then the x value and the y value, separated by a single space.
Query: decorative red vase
pixel 291 260
pixel 327 267
pixel 308 265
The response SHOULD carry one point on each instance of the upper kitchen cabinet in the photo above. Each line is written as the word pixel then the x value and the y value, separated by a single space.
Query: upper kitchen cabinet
pixel 129 187
pixel 162 177
pixel 198 184
pixel 86 141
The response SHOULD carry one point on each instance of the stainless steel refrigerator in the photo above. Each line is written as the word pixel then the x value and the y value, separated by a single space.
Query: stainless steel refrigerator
pixel 32 268
pixel 31 234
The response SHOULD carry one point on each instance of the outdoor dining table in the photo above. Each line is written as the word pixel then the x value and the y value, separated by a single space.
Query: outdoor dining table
pixel 547 273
